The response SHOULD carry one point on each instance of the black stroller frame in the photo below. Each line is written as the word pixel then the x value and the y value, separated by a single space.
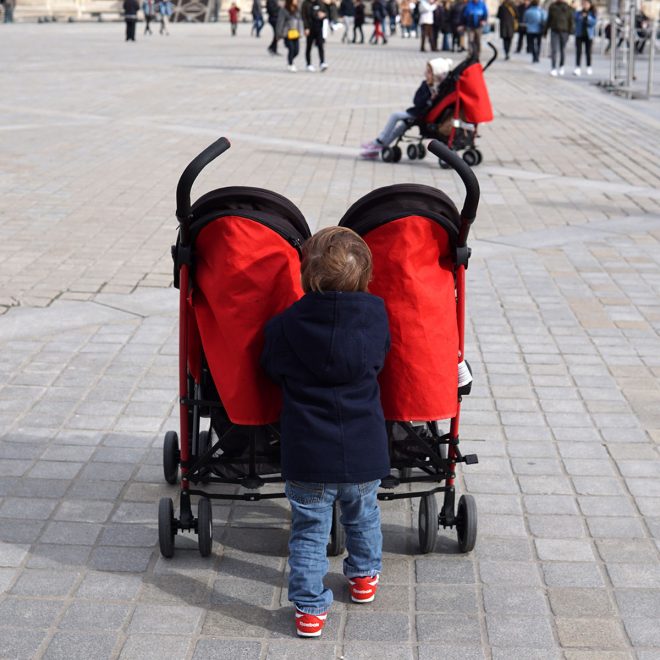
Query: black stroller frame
pixel 204 460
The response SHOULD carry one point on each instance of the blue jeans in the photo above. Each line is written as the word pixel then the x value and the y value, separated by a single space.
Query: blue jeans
pixel 311 520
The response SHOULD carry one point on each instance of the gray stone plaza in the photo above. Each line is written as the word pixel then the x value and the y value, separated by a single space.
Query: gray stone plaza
pixel 564 321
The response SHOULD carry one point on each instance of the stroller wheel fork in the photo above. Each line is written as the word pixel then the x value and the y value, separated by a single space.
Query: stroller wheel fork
pixel 169 526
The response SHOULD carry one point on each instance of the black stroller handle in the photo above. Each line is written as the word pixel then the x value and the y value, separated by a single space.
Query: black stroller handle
pixel 191 173
pixel 469 212
pixel 494 57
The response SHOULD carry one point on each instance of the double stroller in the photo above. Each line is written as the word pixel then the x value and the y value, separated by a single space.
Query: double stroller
pixel 237 264
pixel 461 104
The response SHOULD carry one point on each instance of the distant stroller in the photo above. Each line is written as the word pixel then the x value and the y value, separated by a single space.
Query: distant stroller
pixel 461 105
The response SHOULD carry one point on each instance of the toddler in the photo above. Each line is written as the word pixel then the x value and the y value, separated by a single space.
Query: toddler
pixel 326 351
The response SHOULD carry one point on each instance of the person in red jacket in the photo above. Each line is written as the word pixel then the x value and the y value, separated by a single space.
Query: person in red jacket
pixel 234 12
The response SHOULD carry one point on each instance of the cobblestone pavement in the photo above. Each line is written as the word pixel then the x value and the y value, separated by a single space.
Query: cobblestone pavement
pixel 564 308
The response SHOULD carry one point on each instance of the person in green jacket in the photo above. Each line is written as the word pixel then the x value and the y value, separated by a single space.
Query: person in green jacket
pixel 560 24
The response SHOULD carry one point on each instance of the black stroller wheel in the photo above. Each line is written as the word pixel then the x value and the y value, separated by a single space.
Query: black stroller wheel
pixel 166 527
pixel 337 543
pixel 171 457
pixel 204 526
pixel 396 154
pixel 428 523
pixel 421 151
pixel 466 523
pixel 412 151
pixel 480 156
pixel 387 154
pixel 470 157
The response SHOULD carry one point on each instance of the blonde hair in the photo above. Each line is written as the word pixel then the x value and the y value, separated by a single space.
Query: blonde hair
pixel 335 259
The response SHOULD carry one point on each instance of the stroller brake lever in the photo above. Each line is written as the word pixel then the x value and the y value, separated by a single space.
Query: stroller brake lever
pixel 469 212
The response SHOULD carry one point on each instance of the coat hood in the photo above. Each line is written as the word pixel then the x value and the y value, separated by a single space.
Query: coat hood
pixel 332 334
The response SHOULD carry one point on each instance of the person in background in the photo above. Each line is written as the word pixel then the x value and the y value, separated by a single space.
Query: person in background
pixel 257 18
pixel 585 26
pixel 289 28
pixel 314 12
pixel 359 20
pixel 560 24
pixel 406 18
pixel 475 16
pixel 131 8
pixel 165 9
pixel 215 12
pixel 446 25
pixel 426 14
pixel 508 17
pixel 456 18
pixel 392 8
pixel 379 13
pixel 9 6
pixel 273 9
pixel 234 13
pixel 149 15
pixel 521 9
pixel 347 15
pixel 534 20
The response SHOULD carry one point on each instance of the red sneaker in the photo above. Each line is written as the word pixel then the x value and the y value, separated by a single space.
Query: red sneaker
pixel 363 589
pixel 310 625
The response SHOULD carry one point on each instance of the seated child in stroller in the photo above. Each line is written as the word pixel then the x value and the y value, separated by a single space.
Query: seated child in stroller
pixel 436 71
pixel 326 351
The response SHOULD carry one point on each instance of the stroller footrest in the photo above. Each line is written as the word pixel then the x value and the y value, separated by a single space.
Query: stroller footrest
pixel 470 459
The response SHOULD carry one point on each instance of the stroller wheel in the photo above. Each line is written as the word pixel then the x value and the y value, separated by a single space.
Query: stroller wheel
pixel 171 457
pixel 204 526
pixel 470 157
pixel 421 151
pixel 428 523
pixel 387 154
pixel 466 523
pixel 396 154
pixel 337 543
pixel 412 151
pixel 480 156
pixel 166 527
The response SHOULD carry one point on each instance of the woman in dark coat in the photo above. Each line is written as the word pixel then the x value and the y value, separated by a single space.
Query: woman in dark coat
pixel 508 17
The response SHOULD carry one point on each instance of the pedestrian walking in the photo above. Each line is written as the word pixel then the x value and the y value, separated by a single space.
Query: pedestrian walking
pixel 560 24
pixel 149 15
pixel 585 27
pixel 521 9
pixel 534 19
pixel 131 9
pixel 334 447
pixel 445 25
pixel 392 9
pixel 234 12
pixel 359 20
pixel 215 11
pixel 456 18
pixel 289 29
pixel 379 14
pixel 257 18
pixel 475 17
pixel 347 15
pixel 426 9
pixel 165 9
pixel 406 18
pixel 273 9
pixel 9 6
pixel 314 12
pixel 508 17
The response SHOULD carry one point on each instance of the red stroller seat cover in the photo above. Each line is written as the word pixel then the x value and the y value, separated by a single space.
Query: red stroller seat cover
pixel 434 113
pixel 414 274
pixel 473 95
pixel 245 273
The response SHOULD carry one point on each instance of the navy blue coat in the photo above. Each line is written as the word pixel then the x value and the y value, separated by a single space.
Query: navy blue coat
pixel 326 351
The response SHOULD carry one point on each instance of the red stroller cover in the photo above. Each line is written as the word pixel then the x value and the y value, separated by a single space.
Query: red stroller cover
pixel 245 273
pixel 414 273
pixel 473 95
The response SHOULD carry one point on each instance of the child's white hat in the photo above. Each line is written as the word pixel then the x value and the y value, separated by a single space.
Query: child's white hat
pixel 441 66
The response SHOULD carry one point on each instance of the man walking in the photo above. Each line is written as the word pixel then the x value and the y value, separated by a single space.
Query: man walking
pixel 273 10
pixel 475 16
pixel 131 8
pixel 561 24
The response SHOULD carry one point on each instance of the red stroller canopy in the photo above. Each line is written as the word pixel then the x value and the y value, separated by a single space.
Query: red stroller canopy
pixel 473 95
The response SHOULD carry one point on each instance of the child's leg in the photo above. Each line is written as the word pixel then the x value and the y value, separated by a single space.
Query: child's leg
pixel 393 128
pixel 360 516
pixel 311 520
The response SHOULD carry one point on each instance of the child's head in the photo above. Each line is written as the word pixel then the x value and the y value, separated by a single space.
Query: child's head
pixel 437 69
pixel 335 259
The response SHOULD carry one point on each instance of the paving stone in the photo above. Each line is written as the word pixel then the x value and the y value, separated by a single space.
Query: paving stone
pixel 20 531
pixel 37 582
pixel 441 598
pixel 83 645
pixel 590 632
pixel 564 550
pixel 569 603
pixel 218 649
pixel 638 603
pixel 545 485
pixel 514 600
pixel 57 556
pixel 572 574
pixel 70 533
pixel 377 626
pixel 129 535
pixel 556 527
pixel 12 554
pixel 155 647
pixel 500 572
pixel 519 632
pixel 643 632
pixel 462 629
pixel 597 486
pixel 609 527
pixel 23 507
pixel 514 550
pixel 605 506
pixel 292 650
pixel 550 504
pixel 109 586
pixel 444 571
pixel 626 551
pixel 26 613
pixel 158 619
pixel 21 646
pixel 119 559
